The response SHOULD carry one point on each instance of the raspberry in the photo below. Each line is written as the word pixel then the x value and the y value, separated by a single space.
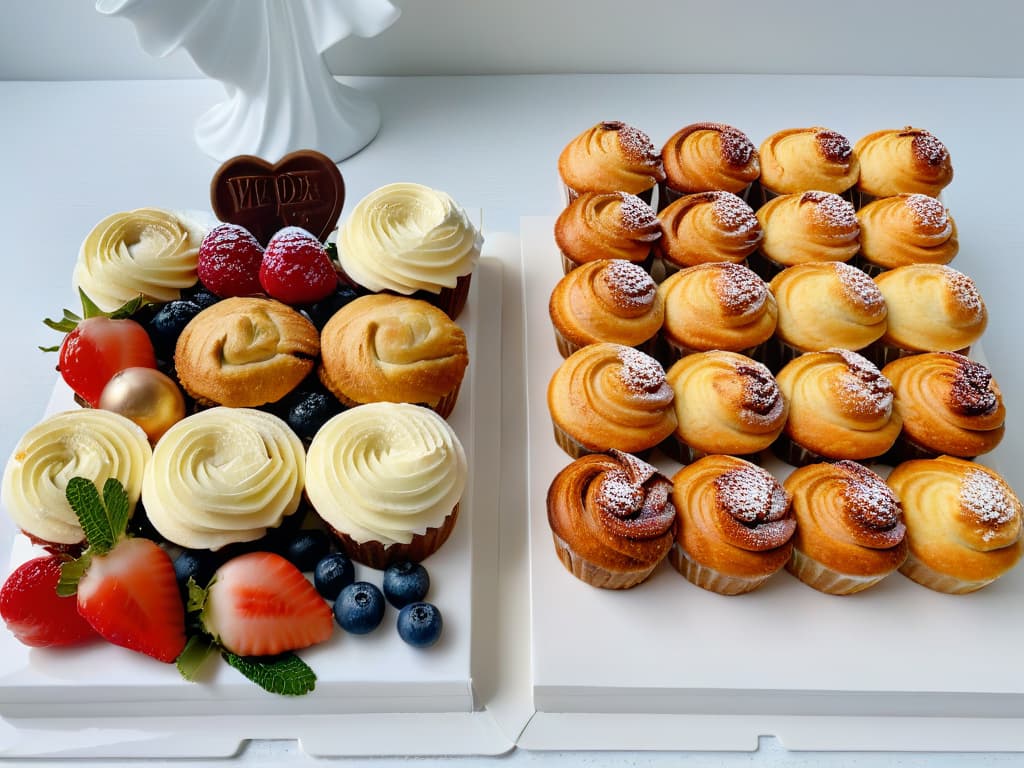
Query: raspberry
pixel 296 268
pixel 229 261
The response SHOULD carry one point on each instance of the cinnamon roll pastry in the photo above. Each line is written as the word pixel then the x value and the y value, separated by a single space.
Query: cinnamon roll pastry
pixel 840 407
pixel 708 156
pixel 610 396
pixel 734 525
pixel 608 300
pixel 908 160
pixel 606 225
pixel 850 532
pixel 383 348
pixel 707 227
pixel 963 523
pixel 932 308
pixel 799 159
pixel 716 306
pixel 949 405
pixel 905 229
pixel 725 403
pixel 809 226
pixel 611 157
pixel 611 519
pixel 243 352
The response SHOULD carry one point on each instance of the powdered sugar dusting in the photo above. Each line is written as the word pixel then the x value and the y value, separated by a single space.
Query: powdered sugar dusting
pixel 635 144
pixel 987 499
pixel 762 398
pixel 619 494
pixel 630 284
pixel 928 212
pixel 733 213
pixel 927 148
pixel 868 499
pixel 831 210
pixel 859 288
pixel 751 495
pixel 863 387
pixel 640 373
pixel 737 149
pixel 739 289
pixel 636 214
pixel 971 392
pixel 834 146
pixel 633 498
pixel 965 291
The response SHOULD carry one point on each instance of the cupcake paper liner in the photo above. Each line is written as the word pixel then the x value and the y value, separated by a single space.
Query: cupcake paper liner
pixel 595 575
pixel 820 577
pixel 709 578
pixel 915 570
pixel 379 556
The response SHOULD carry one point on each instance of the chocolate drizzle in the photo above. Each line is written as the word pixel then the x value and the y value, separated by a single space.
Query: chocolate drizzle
pixel 834 146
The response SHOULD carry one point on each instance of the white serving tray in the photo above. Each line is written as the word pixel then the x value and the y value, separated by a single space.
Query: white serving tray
pixel 668 665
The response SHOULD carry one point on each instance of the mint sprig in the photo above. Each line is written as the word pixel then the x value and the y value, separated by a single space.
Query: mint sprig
pixel 104 520
pixel 287 674
pixel 197 650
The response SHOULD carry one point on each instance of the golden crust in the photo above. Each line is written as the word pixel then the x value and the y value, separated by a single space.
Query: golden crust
pixel 907 229
pixel 800 159
pixel 708 156
pixel 707 227
pixel 610 156
pixel 607 225
pixel 902 160
pixel 245 352
pixel 808 226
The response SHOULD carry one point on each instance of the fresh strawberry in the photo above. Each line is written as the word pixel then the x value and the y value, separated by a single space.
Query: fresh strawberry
pixel 229 261
pixel 98 348
pixel 34 613
pixel 259 604
pixel 296 268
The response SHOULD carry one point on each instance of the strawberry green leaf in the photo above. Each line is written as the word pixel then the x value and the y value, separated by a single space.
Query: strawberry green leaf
pixel 332 251
pixel 286 674
pixel 69 321
pixel 50 349
pixel 197 650
pixel 196 596
pixel 89 307
pixel 70 573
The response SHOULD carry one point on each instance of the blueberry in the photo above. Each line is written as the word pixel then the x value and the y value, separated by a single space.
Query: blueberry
pixel 308 413
pixel 322 311
pixel 168 323
pixel 197 564
pixel 333 573
pixel 405 583
pixel 359 608
pixel 420 624
pixel 307 548
pixel 201 295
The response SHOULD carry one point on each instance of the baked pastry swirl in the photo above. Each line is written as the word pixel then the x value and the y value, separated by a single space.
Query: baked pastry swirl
pixel 809 226
pixel 707 156
pixel 394 349
pixel 799 159
pixel 902 160
pixel 706 227
pixel 906 229
pixel 610 396
pixel 610 157
pixel 244 352
pixel 850 532
pixel 608 300
pixel 734 525
pixel 963 523
pixel 90 443
pixel 611 519
pixel 949 405
pixel 223 475
pixel 148 252
pixel 606 225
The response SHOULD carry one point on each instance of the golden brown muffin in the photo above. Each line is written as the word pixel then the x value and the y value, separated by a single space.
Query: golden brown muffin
pixel 949 405
pixel 384 348
pixel 809 226
pixel 963 523
pixel 610 157
pixel 932 308
pixel 716 306
pixel 708 156
pixel 908 160
pixel 608 300
pixel 610 396
pixel 840 407
pixel 611 519
pixel 849 527
pixel 725 403
pixel 905 229
pixel 734 525
pixel 245 352
pixel 801 159
pixel 606 225
pixel 707 227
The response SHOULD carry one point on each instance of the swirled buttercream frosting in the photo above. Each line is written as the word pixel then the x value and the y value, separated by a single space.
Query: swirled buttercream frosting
pixel 407 237
pixel 147 251
pixel 385 472
pixel 222 476
pixel 88 443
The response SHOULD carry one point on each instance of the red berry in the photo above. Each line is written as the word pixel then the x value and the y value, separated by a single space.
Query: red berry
pixel 229 261
pixel 296 268
pixel 130 597
pixel 97 349
pixel 260 604
pixel 33 612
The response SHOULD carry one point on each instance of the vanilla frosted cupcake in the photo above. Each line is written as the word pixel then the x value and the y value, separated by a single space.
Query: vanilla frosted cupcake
pixel 147 251
pixel 707 227
pixel 611 157
pixel 410 239
pixel 606 225
pixel 905 229
pixel 90 443
pixel 908 160
pixel 387 478
pixel 801 159
pixel 222 476
pixel 806 227
pixel 707 156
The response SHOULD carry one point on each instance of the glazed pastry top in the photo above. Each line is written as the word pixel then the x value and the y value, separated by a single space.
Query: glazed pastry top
pixel 800 159
pixel 908 160
pixel 607 225
pixel 708 156
pixel 907 229
pixel 706 227
pixel 809 226
pixel 611 156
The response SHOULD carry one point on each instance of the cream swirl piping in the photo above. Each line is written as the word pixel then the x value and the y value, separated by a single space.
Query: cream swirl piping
pixel 223 475
pixel 86 443
pixel 385 472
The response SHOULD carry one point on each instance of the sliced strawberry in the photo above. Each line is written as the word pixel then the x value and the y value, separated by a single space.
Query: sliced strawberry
pixel 260 604
pixel 229 261
pixel 296 268
pixel 131 598
pixel 34 613
pixel 98 348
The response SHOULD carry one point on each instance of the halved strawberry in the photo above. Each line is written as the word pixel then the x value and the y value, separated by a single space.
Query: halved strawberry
pixel 34 613
pixel 259 604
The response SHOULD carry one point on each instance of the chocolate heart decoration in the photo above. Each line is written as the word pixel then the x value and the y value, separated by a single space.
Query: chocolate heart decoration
pixel 303 189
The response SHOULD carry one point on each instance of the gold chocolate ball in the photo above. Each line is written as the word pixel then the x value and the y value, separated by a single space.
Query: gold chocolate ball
pixel 147 397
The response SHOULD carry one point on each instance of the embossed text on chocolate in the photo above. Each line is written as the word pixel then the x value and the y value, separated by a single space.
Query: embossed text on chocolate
pixel 279 191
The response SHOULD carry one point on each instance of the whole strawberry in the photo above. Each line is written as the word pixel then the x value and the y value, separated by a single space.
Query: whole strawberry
pixel 296 268
pixel 229 261
pixel 30 607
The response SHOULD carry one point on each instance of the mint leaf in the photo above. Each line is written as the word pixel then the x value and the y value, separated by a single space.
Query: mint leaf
pixel 197 650
pixel 115 499
pixel 85 500
pixel 70 573
pixel 286 674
